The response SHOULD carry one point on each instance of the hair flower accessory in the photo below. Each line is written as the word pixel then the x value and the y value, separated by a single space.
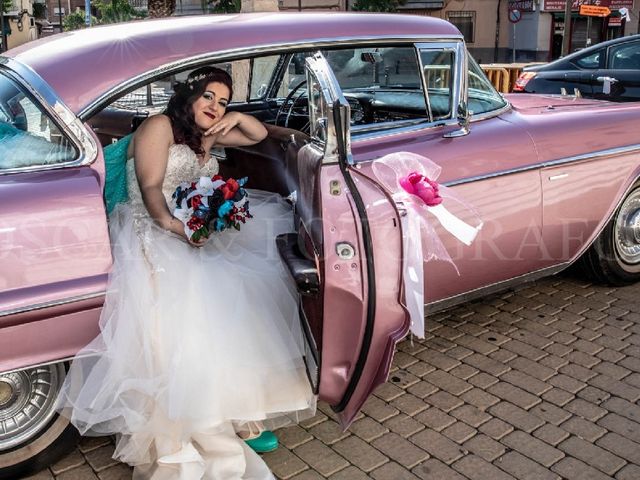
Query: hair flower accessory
pixel 411 180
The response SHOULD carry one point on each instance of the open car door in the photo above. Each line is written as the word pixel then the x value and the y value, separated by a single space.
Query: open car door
pixel 349 253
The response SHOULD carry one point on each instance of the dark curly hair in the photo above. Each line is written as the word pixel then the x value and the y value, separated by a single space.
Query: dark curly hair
pixel 185 94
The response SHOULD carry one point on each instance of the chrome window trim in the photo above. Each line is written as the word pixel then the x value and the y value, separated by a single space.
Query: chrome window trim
pixel 457 70
pixel 52 303
pixel 551 163
pixel 69 124
pixel 254 51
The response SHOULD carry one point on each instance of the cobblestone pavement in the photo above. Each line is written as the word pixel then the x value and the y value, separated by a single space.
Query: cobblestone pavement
pixel 535 383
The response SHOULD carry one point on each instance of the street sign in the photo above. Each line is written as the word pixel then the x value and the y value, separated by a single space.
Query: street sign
pixel 522 5
pixel 594 11
pixel 515 16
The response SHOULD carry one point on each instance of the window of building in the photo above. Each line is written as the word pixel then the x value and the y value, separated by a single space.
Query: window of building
pixel 465 22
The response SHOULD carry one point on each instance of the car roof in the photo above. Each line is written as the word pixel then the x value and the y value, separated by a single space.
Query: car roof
pixel 561 63
pixel 81 65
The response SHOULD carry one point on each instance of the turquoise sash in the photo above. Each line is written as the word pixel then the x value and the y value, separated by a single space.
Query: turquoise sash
pixel 115 161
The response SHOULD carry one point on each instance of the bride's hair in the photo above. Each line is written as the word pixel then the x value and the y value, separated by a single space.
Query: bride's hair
pixel 185 94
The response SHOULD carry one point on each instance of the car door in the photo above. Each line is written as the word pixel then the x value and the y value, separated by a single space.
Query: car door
pixel 622 73
pixel 350 232
pixel 54 243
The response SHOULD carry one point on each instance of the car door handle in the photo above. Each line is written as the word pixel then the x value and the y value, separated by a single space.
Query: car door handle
pixel 606 84
pixel 608 79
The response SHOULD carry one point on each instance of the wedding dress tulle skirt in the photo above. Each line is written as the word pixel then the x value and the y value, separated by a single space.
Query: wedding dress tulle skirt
pixel 196 344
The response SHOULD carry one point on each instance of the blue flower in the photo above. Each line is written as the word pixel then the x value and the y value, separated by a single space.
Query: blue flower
pixel 219 225
pixel 225 208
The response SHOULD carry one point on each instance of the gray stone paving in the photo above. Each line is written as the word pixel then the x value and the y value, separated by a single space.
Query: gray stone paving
pixel 542 382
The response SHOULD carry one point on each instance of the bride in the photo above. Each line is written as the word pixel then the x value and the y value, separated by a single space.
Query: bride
pixel 200 342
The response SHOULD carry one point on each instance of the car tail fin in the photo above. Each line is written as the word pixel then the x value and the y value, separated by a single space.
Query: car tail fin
pixel 522 81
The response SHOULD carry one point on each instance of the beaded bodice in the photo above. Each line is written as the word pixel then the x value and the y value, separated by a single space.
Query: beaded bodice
pixel 182 166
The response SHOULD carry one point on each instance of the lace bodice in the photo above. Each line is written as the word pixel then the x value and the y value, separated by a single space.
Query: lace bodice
pixel 182 166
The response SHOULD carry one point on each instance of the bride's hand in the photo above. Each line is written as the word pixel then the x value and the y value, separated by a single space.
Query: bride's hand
pixel 197 243
pixel 175 226
pixel 228 121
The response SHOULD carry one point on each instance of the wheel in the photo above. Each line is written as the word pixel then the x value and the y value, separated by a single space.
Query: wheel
pixel 32 434
pixel 614 258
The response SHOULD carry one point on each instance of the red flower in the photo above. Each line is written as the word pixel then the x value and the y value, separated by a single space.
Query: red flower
pixel 196 201
pixel 229 189
pixel 195 223
pixel 216 177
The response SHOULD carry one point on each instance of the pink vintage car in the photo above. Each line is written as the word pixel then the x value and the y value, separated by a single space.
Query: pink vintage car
pixel 552 178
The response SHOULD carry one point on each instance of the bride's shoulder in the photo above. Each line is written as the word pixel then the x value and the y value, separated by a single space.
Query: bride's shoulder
pixel 159 124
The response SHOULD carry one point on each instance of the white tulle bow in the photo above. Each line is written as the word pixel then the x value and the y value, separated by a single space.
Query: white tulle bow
pixel 411 180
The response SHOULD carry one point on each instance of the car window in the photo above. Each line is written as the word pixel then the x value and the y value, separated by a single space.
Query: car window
pixel 625 57
pixel 590 61
pixel 483 97
pixel 438 75
pixel 381 84
pixel 251 78
pixel 28 135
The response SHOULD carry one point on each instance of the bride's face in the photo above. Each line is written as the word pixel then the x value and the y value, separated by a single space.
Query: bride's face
pixel 210 107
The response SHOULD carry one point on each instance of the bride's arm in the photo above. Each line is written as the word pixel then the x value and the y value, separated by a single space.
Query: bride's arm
pixel 151 147
pixel 236 129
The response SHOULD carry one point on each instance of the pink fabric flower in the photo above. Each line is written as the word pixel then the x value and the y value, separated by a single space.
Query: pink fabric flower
pixel 422 187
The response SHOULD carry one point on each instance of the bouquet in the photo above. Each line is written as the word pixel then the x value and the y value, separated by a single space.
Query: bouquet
pixel 211 204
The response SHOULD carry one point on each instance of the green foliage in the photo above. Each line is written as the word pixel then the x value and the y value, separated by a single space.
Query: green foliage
pixel 225 6
pixel 116 11
pixel 377 5
pixel 6 5
pixel 75 21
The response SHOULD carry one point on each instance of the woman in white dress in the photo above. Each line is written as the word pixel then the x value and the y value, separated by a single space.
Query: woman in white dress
pixel 200 342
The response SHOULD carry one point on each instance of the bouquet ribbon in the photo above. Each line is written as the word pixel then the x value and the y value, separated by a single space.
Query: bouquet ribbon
pixel 411 181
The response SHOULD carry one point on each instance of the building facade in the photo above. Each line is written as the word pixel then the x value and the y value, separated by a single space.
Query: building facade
pixel 18 26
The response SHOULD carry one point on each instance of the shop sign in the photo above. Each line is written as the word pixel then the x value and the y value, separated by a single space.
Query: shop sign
pixel 522 5
pixel 594 11
pixel 558 5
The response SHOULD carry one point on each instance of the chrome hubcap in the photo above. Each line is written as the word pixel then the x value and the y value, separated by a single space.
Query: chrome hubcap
pixel 627 231
pixel 27 402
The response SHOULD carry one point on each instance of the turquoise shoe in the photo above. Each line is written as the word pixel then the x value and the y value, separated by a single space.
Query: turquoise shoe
pixel 266 442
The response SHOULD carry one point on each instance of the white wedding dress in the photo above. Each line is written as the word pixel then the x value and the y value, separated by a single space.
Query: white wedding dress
pixel 196 343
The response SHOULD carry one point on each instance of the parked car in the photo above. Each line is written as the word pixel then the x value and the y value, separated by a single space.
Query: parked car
pixel 553 178
pixel 608 71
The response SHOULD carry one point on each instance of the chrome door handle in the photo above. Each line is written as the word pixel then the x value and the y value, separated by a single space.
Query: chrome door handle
pixel 608 79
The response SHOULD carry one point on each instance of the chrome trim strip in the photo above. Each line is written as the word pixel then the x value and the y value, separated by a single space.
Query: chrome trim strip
pixel 273 48
pixel 53 303
pixel 38 365
pixel 446 303
pixel 69 124
pixel 551 163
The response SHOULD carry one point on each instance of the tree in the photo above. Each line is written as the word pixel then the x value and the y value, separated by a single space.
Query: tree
pixel 226 6
pixel 6 5
pixel 377 5
pixel 161 8
pixel 116 11
pixel 75 21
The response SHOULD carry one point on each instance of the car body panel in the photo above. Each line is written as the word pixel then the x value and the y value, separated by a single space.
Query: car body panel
pixel 509 234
